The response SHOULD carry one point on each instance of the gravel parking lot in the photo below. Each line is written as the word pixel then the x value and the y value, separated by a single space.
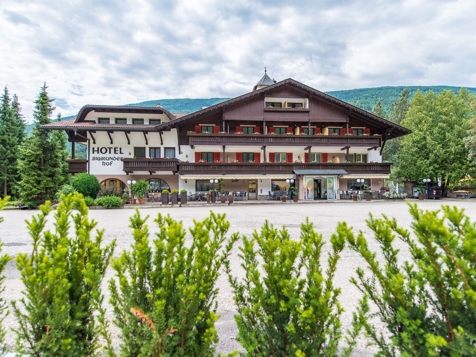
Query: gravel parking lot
pixel 244 218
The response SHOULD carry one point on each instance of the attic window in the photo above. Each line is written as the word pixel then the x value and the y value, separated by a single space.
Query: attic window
pixel 294 105
pixel 154 121
pixel 121 121
pixel 138 121
pixel 274 105
pixel 103 120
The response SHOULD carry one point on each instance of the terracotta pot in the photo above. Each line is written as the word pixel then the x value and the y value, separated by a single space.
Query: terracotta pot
pixel 368 197
pixel 295 198
pixel 421 196
pixel 230 199
pixel 133 201
pixel 222 198
pixel 142 201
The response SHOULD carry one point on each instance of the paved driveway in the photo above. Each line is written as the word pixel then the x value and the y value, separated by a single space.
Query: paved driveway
pixel 244 218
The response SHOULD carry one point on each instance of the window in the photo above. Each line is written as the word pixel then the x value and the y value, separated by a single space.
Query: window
pixel 280 130
pixel 352 184
pixel 207 156
pixel 248 129
pixel 139 152
pixel 280 185
pixel 207 128
pixel 294 105
pixel 334 131
pixel 359 158
pixel 157 185
pixel 204 185
pixel 154 153
pixel 315 157
pixel 248 156
pixel 154 121
pixel 308 131
pixel 274 105
pixel 358 131
pixel 121 121
pixel 169 153
pixel 138 121
pixel 103 121
pixel 280 157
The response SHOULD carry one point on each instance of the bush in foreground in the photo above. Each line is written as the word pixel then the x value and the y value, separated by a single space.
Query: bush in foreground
pixel 62 303
pixel 109 201
pixel 4 259
pixel 86 184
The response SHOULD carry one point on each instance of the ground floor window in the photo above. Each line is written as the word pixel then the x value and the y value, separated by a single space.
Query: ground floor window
pixel 353 184
pixel 204 185
pixel 112 187
pixel 157 185
pixel 280 185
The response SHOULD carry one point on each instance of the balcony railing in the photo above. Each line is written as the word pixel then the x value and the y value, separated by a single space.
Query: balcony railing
pixel 149 165
pixel 76 166
pixel 274 168
pixel 281 140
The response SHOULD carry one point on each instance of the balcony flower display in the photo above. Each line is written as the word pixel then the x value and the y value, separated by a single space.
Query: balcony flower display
pixel 190 132
pixel 251 161
pixel 236 161
pixel 202 161
pixel 218 162
pixel 256 132
pixel 239 132
pixel 348 134
pixel 289 133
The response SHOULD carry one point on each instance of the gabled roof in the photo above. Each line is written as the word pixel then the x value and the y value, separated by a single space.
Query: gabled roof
pixel 390 129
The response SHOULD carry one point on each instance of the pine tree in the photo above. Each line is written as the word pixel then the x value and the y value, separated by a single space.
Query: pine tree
pixel 379 109
pixel 8 144
pixel 60 140
pixel 20 122
pixel 41 177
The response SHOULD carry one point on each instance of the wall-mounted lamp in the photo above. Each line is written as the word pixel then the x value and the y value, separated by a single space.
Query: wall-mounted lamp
pixel 185 180
pixel 289 180
pixel 213 181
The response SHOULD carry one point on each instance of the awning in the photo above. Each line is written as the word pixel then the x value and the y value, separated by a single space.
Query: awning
pixel 239 177
pixel 365 176
pixel 320 172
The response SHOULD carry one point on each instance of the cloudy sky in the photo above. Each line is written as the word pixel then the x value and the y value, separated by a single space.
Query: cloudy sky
pixel 118 52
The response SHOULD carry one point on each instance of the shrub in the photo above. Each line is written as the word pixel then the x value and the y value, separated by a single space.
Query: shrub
pixel 427 304
pixel 183 191
pixel 65 190
pixel 4 259
pixel 175 191
pixel 165 191
pixel 110 190
pixel 61 311
pixel 86 184
pixel 286 305
pixel 164 297
pixel 109 201
pixel 89 201
pixel 140 188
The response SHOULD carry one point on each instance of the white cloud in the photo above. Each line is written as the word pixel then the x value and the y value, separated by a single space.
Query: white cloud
pixel 109 52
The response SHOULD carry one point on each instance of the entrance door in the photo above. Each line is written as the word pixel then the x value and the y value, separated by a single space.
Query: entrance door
pixel 317 189
pixel 252 190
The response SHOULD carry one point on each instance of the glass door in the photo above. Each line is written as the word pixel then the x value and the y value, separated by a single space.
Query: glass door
pixel 331 188
pixel 252 189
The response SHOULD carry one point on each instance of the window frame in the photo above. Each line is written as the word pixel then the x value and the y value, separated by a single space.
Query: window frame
pixel 279 155
pixel 281 128
pixel 136 148
pixel 155 150
pixel 137 121
pixel 304 129
pixel 248 157
pixel 207 156
pixel 120 119
pixel 334 130
pixel 209 129
pixel 247 129
pixel 358 131
pixel 104 120
pixel 155 120
pixel 314 155
pixel 165 152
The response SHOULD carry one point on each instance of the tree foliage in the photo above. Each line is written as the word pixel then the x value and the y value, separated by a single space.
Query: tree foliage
pixel 436 149
pixel 470 140
pixel 428 304
pixel 9 133
pixel 58 315
pixel 40 170
pixel 286 305
pixel 86 184
pixel 165 294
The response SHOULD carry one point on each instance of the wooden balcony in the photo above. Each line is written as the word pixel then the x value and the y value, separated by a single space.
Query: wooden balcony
pixel 284 140
pixel 76 166
pixel 263 169
pixel 149 165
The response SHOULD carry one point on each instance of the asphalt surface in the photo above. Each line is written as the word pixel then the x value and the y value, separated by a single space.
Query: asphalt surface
pixel 244 218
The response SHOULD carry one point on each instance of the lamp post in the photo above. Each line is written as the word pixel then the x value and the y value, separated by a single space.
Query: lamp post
pixel 129 183
pixel 427 181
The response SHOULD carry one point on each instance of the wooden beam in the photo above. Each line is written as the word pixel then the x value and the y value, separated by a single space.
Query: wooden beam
pixel 372 148
pixel 109 132
pixel 94 140
pixel 145 137
pixel 345 147
pixel 127 137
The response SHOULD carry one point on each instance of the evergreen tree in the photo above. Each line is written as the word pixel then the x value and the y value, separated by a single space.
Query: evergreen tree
pixel 3 304
pixel 20 122
pixel 60 140
pixel 379 110
pixel 398 111
pixel 8 144
pixel 470 140
pixel 436 149
pixel 41 177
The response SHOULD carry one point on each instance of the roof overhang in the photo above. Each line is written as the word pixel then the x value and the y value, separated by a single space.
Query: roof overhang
pixel 366 176
pixel 239 177
pixel 320 172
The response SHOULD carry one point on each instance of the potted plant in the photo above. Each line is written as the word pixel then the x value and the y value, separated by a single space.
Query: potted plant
pixel 221 190
pixel 230 198
pixel 283 198
pixel 421 193
pixel 183 196
pixel 213 196
pixel 368 195
pixel 174 196
pixel 294 194
pixel 125 198
pixel 139 189
pixel 165 197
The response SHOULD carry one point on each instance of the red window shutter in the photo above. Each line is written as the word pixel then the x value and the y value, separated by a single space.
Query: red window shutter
pixel 238 128
pixel 366 130
pixel 198 156
pixel 272 157
pixel 317 131
pixel 306 157
pixel 216 156
pixel 257 157
pixel 289 157
pixel 216 129
pixel 325 157
pixel 239 156
pixel 198 129
pixel 257 129
pixel 271 130
pixel 351 131
pixel 342 131
pixel 289 130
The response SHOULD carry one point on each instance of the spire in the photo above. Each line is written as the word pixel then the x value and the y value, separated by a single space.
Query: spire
pixel 264 81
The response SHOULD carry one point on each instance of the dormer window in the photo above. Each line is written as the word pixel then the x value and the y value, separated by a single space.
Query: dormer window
pixel 154 121
pixel 122 121
pixel 274 105
pixel 138 121
pixel 294 105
